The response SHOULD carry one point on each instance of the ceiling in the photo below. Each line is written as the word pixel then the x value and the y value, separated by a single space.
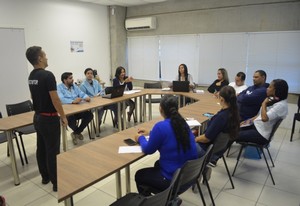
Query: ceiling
pixel 125 3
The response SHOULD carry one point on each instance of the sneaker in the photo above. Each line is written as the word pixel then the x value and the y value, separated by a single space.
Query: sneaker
pixel 79 136
pixel 45 181
pixel 212 163
pixel 74 138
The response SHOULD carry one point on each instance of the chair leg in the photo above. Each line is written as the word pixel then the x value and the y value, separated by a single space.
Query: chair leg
pixel 19 150
pixel 293 130
pixel 238 159
pixel 201 194
pixel 104 118
pixel 262 150
pixel 208 188
pixel 270 156
pixel 225 163
pixel 228 150
pixel 24 152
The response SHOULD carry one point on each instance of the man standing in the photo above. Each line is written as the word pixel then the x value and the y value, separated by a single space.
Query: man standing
pixel 47 106
pixel 71 94
pixel 250 99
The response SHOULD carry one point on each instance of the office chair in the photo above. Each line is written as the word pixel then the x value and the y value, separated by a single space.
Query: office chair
pixel 3 139
pixel 260 147
pixel 159 199
pixel 22 107
pixel 220 144
pixel 296 117
pixel 155 85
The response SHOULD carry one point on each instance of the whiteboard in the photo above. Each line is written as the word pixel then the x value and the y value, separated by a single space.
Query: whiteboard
pixel 13 64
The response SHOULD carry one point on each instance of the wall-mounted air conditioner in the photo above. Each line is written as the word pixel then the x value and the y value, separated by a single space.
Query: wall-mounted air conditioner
pixel 144 23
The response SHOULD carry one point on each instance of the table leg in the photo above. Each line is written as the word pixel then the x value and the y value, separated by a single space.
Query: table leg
pixel 127 178
pixel 97 123
pixel 149 107
pixel 144 108
pixel 69 201
pixel 119 117
pixel 124 114
pixel 118 184
pixel 14 168
pixel 141 108
pixel 64 138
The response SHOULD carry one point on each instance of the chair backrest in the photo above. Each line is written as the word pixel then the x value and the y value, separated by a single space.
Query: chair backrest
pixel 162 198
pixel 189 174
pixel 220 142
pixel 2 135
pixel 155 85
pixel 22 107
pixel 275 127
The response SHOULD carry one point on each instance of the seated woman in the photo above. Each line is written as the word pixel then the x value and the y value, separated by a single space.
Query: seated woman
pixel 273 108
pixel 220 82
pixel 122 79
pixel 183 75
pixel 226 121
pixel 92 88
pixel 175 142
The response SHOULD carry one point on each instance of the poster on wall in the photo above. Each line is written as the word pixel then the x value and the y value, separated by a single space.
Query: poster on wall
pixel 76 46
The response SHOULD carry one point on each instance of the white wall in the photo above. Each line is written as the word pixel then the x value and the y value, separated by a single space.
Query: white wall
pixel 52 24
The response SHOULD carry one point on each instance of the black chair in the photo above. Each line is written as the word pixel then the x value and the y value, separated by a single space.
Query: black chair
pixel 260 147
pixel 190 174
pixel 13 109
pixel 155 85
pixel 296 117
pixel 220 145
pixel 159 199
pixel 3 139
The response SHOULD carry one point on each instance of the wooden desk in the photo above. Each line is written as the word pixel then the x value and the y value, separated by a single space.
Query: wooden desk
pixel 9 124
pixel 82 167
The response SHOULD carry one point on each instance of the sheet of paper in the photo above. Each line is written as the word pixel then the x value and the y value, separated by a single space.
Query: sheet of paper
pixel 199 91
pixel 131 91
pixel 193 123
pixel 130 149
pixel 166 89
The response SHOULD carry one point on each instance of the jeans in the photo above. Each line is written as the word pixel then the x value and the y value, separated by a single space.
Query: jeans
pixel 48 145
pixel 85 117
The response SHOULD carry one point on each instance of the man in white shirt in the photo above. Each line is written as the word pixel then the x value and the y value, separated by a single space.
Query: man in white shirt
pixel 239 83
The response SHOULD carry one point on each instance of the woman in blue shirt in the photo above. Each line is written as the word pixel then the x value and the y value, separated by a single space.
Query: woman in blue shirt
pixel 226 121
pixel 175 142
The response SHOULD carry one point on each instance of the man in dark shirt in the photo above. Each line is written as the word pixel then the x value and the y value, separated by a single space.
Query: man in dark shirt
pixel 249 100
pixel 48 112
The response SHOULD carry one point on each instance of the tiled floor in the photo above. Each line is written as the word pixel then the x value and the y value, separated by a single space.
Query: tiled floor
pixel 252 182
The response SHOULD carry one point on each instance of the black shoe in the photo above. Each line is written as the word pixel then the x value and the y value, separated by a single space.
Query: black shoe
pixel 54 188
pixel 45 181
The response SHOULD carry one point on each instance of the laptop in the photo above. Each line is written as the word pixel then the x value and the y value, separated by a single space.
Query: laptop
pixel 181 86
pixel 113 92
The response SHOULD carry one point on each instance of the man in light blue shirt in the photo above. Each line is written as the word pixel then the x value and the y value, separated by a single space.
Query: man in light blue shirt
pixel 71 94
pixel 92 88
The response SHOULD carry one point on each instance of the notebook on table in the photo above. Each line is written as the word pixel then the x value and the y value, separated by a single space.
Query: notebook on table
pixel 181 86
pixel 113 92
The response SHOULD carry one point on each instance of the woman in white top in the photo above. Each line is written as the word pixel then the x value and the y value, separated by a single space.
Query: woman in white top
pixel 273 108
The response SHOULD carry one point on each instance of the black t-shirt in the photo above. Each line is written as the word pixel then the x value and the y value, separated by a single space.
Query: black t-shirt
pixel 40 83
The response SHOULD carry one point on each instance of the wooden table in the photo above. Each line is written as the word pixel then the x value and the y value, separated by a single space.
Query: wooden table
pixel 82 167
pixel 9 124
